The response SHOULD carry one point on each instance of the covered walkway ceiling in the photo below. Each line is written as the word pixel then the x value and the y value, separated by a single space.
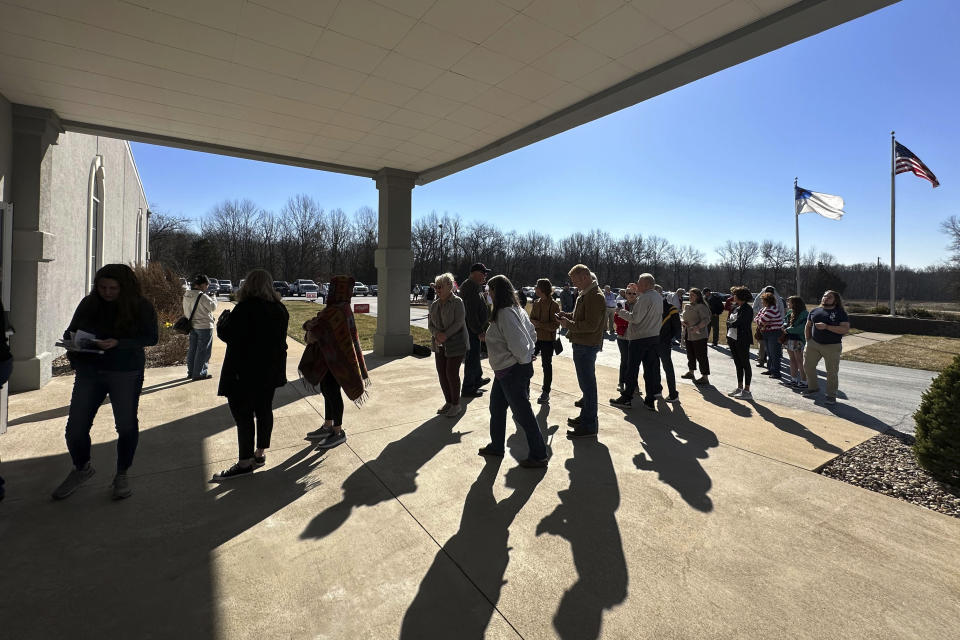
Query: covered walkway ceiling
pixel 427 86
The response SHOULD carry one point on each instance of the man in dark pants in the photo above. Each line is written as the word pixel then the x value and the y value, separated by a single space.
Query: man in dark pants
pixel 716 308
pixel 643 334
pixel 477 318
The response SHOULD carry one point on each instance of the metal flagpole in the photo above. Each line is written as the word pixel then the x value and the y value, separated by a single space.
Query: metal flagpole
pixel 893 223
pixel 796 221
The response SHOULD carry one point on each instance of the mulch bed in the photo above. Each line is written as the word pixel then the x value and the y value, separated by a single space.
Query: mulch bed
pixel 886 464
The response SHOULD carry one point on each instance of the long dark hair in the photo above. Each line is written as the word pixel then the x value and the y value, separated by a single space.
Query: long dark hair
pixel 502 294
pixel 128 302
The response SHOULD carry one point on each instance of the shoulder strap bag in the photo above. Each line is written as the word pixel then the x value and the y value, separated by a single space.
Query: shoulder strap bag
pixel 183 325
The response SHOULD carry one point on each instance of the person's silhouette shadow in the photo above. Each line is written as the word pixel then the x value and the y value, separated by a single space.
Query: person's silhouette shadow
pixel 450 607
pixel 586 517
pixel 396 468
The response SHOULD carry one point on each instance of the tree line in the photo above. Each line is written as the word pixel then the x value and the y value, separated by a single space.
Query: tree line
pixel 304 240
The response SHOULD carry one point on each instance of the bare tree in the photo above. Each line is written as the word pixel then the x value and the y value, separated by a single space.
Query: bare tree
pixel 739 256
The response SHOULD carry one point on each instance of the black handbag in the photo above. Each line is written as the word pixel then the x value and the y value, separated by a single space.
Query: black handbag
pixel 558 346
pixel 183 325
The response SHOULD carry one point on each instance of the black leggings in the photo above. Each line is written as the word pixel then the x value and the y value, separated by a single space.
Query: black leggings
pixel 246 407
pixel 740 352
pixel 545 348
pixel 332 398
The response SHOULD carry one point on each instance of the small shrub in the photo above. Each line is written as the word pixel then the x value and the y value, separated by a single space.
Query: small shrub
pixel 937 445
pixel 855 308
pixel 162 288
pixel 883 310
pixel 920 312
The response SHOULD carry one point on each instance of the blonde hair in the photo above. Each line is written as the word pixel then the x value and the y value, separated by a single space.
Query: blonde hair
pixel 647 277
pixel 443 278
pixel 579 268
pixel 258 284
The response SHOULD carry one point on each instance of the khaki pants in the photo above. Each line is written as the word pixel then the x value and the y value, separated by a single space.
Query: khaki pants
pixel 611 314
pixel 831 361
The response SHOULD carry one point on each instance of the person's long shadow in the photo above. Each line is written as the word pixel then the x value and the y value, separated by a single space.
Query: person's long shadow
pixel 446 608
pixel 396 468
pixel 675 453
pixel 714 396
pixel 586 517
pixel 143 567
pixel 791 426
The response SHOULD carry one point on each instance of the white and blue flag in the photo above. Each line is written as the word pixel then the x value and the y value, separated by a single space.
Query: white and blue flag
pixel 823 203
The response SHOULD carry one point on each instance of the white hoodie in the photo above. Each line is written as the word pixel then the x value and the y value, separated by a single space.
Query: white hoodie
pixel 511 339
pixel 203 318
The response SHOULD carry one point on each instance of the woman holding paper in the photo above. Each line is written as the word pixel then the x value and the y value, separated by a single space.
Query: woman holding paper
pixel 122 322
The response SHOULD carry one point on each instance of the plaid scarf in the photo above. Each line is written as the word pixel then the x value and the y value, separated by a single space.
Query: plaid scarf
pixel 335 345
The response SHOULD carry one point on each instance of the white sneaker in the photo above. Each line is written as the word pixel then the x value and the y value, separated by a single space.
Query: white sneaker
pixel 444 408
pixel 453 411
pixel 736 392
pixel 746 395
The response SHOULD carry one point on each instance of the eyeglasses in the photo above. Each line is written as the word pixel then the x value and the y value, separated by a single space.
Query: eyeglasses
pixel 629 294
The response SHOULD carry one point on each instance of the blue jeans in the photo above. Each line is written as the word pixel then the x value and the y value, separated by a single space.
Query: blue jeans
pixel 774 351
pixel 643 351
pixel 585 362
pixel 198 354
pixel 472 373
pixel 513 390
pixel 90 388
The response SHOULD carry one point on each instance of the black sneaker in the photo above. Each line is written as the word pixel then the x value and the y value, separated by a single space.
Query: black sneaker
pixel 484 381
pixel 621 402
pixel 650 404
pixel 580 433
pixel 259 461
pixel 579 403
pixel 320 434
pixel 235 471
pixel 491 451
pixel 574 421
pixel 473 393
pixel 673 397
pixel 121 487
pixel 73 481
pixel 532 463
pixel 335 440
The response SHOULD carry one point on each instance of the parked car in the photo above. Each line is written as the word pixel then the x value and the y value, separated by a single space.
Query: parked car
pixel 296 287
pixel 373 289
pixel 226 287
pixel 213 289
pixel 184 284
pixel 281 287
pixel 305 288
pixel 360 289
pixel 530 292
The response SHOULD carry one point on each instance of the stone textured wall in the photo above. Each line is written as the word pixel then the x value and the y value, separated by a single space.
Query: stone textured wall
pixel 916 326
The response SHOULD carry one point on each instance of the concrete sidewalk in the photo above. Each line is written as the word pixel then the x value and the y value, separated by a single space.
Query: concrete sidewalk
pixel 701 520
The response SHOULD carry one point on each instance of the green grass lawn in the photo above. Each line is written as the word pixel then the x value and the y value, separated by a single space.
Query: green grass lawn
pixel 931 353
pixel 301 311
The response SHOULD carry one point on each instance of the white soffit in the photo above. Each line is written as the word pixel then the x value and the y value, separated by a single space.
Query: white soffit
pixel 427 86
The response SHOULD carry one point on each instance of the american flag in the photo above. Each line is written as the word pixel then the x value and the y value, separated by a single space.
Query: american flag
pixel 907 161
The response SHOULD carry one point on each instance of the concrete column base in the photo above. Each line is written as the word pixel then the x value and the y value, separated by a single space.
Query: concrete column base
pixel 31 373
pixel 393 344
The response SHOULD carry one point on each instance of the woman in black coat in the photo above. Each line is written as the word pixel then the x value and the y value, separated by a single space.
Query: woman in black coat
pixel 739 339
pixel 254 366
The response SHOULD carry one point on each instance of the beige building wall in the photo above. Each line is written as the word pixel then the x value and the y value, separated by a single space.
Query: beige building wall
pixel 83 206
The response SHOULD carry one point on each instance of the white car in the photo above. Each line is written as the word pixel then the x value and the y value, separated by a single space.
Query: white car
pixel 360 289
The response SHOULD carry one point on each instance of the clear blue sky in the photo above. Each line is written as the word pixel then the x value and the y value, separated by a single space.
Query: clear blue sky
pixel 706 162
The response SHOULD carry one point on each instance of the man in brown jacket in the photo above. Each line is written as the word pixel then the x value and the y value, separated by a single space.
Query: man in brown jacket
pixel 585 331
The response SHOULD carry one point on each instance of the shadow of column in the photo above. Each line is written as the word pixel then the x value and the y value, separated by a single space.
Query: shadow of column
pixel 446 605
pixel 586 517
